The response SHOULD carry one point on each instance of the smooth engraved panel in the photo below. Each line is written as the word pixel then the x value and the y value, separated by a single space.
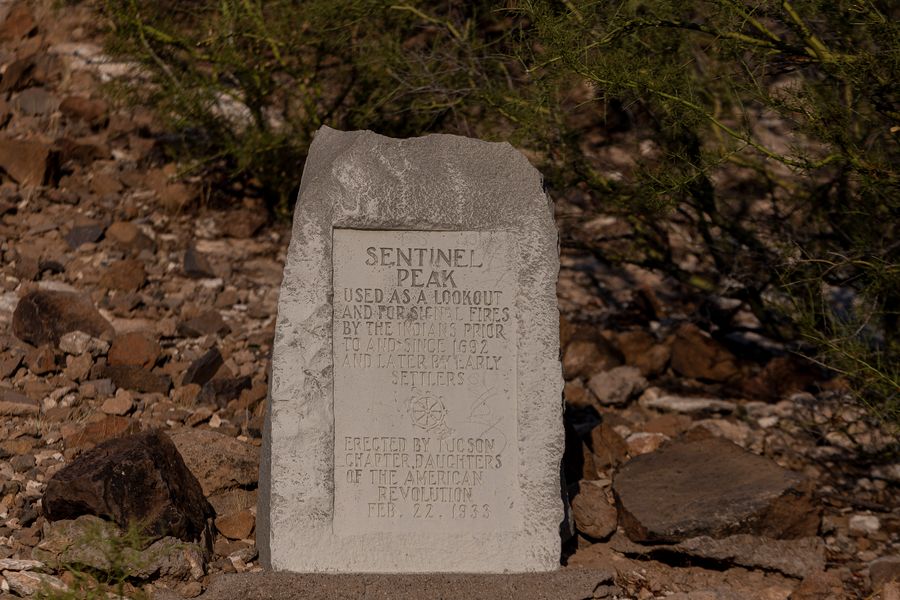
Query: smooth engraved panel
pixel 425 404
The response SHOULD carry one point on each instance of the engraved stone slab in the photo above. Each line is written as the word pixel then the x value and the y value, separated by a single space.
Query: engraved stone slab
pixel 424 383
pixel 414 419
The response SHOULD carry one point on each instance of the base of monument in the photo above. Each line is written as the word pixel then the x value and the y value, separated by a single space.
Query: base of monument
pixel 564 584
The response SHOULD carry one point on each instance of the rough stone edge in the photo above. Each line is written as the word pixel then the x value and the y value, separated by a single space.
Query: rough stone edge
pixel 538 372
pixel 572 583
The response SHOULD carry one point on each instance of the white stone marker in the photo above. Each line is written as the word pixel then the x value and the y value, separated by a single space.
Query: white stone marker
pixel 415 418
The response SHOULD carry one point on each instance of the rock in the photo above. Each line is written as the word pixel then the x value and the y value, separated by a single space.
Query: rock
pixel 13 564
pixel 30 163
pixel 19 23
pixel 711 487
pixel 36 101
pixel 576 395
pixel 10 361
pixel 583 358
pixel 236 526
pixel 13 404
pixel 243 223
pixel 640 349
pixel 608 447
pixel 43 316
pixel 129 237
pixel 121 404
pixel 41 360
pixel 187 395
pixel 140 479
pixel 22 462
pixel 176 196
pixel 83 234
pixel 219 462
pixel 86 109
pixel 138 379
pixel 669 424
pixel 884 569
pixel 594 515
pixel 100 431
pixel 206 323
pixel 617 386
pixel 864 525
pixel 644 442
pixel 733 431
pixel 19 74
pixel 134 349
pixel 204 368
pixel 890 591
pixel 98 545
pixel 79 342
pixel 695 354
pixel 104 184
pixel 690 406
pixel 223 390
pixel 822 585
pixel 233 500
pixel 196 265
pixel 794 558
pixel 78 368
pixel 28 583
pixel 126 275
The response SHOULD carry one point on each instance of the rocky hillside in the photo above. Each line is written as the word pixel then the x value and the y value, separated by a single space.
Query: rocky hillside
pixel 136 326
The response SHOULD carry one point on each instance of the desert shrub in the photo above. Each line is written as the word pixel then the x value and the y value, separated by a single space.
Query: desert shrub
pixel 246 83
pixel 765 146
pixel 761 138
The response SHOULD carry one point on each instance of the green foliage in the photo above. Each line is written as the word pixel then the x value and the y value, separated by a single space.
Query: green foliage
pixel 112 556
pixel 798 101
pixel 248 82
pixel 763 135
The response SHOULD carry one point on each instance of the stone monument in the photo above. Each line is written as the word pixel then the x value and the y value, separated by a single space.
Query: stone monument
pixel 415 414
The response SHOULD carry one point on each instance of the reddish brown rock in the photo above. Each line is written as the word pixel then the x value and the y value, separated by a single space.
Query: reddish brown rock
pixel 19 74
pixel 83 234
pixel 781 377
pixel 121 404
pixel 14 404
pixel 222 390
pixel 594 516
pixel 30 163
pixel 204 368
pixel 41 360
pixel 236 526
pixel 138 379
pixel 19 23
pixel 134 349
pixel 87 109
pixel 243 223
pixel 106 429
pixel 196 264
pixel 218 461
pixel 711 487
pixel 125 275
pixel 640 349
pixel 129 236
pixel 209 322
pixel 823 585
pixel 584 358
pixel 609 449
pixel 576 395
pixel 10 361
pixel 138 479
pixel 695 354
pixel 41 317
